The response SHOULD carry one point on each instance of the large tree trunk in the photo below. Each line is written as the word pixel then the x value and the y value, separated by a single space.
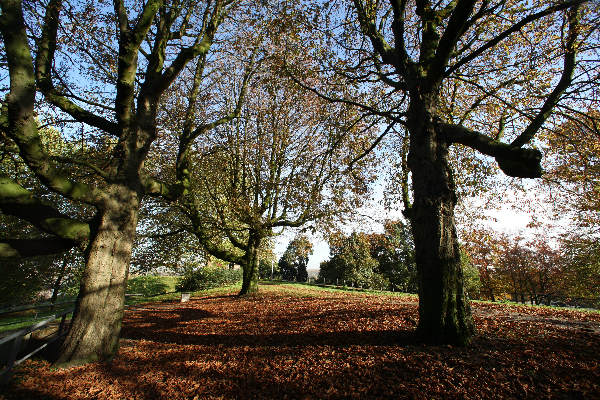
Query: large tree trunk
pixel 444 311
pixel 96 325
pixel 250 266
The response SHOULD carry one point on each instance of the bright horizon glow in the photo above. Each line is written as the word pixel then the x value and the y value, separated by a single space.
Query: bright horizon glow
pixel 508 219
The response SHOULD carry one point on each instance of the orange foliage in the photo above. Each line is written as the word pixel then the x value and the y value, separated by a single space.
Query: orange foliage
pixel 334 345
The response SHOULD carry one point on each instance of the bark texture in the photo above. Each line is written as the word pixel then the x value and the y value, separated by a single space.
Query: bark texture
pixel 444 311
pixel 96 325
pixel 445 46
pixel 250 267
pixel 120 183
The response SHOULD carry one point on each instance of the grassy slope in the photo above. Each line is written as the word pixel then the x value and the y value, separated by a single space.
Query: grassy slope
pixel 306 290
pixel 23 319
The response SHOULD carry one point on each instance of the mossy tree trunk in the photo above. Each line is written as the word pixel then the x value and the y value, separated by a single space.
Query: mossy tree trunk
pixel 96 324
pixel 250 265
pixel 417 74
pixel 120 182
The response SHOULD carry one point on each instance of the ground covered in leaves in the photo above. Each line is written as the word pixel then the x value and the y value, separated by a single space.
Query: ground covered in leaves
pixel 301 343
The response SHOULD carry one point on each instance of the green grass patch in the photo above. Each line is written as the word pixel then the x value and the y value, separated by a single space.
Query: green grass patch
pixel 312 290
pixel 542 306
pixel 149 285
pixel 22 319
pixel 220 291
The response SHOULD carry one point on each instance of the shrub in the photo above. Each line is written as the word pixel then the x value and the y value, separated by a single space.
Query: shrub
pixel 208 278
pixel 470 275
pixel 147 285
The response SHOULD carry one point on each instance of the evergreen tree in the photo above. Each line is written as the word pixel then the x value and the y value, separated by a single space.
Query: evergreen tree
pixel 286 266
pixel 294 260
pixel 302 273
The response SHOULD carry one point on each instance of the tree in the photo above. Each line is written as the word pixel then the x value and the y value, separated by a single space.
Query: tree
pixel 280 164
pixel 162 246
pixel 25 278
pixel 130 50
pixel 483 248
pixel 303 248
pixel 395 252
pixel 545 278
pixel 269 269
pixel 31 235
pixel 352 263
pixel 527 269
pixel 580 268
pixel 514 266
pixel 302 275
pixel 267 264
pixel 294 260
pixel 572 162
pixel 286 266
pixel 441 70
pixel 471 275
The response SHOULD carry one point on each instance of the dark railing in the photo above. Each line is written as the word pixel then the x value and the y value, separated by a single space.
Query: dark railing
pixel 26 307
pixel 9 352
pixel 9 360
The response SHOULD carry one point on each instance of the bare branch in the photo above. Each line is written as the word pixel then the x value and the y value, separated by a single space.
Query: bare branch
pixel 564 82
pixel 43 67
pixel 366 19
pixel 22 126
pixel 371 110
pixel 371 147
pixel 514 28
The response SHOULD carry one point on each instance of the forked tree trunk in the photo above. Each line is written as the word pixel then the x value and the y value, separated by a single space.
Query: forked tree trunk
pixel 444 310
pixel 250 267
pixel 96 325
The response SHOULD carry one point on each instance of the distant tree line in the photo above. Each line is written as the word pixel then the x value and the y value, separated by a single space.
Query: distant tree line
pixel 381 260
pixel 534 271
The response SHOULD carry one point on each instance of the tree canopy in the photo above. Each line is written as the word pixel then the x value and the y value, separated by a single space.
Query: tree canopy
pixel 100 71
pixel 218 124
pixel 293 262
pixel 481 77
